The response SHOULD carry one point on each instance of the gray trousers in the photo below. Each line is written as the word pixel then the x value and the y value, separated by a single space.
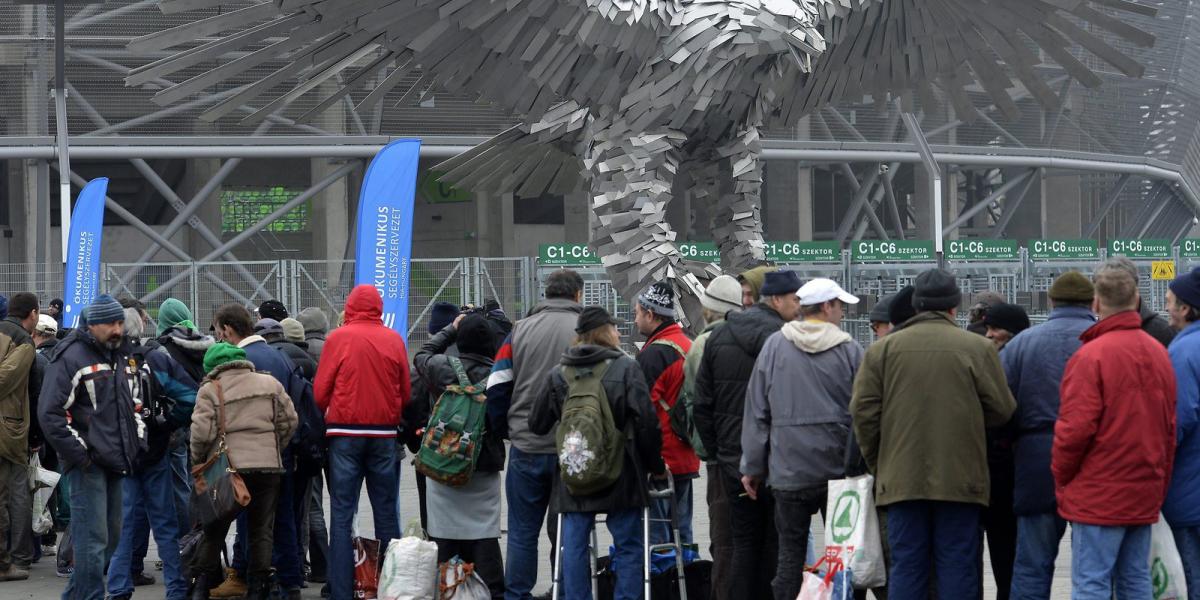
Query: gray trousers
pixel 16 515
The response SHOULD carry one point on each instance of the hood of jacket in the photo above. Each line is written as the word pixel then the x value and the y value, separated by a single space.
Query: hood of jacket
pixel 814 337
pixel 189 340
pixel 588 354
pixel 314 321
pixel 364 304
pixel 232 365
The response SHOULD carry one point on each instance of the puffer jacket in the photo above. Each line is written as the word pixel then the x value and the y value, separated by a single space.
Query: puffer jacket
pixel 797 415
pixel 722 378
pixel 922 399
pixel 259 418
pixel 625 387
pixel 1114 442
pixel 17 372
pixel 662 365
pixel 1182 506
pixel 432 362
pixel 316 327
pixel 1033 362
pixel 187 347
pixel 87 410
pixel 363 381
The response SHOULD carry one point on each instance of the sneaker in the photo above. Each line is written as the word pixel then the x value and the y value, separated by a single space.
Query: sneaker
pixel 158 565
pixel 64 572
pixel 232 587
pixel 14 573
pixel 325 591
pixel 50 550
pixel 141 579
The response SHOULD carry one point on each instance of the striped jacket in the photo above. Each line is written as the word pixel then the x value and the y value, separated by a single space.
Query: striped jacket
pixel 87 408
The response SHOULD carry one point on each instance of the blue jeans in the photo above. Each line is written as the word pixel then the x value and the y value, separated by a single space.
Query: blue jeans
pixel 352 459
pixel 528 485
pixel 96 502
pixel 943 534
pixel 181 484
pixel 1187 541
pixel 627 560
pixel 660 533
pixel 149 496
pixel 1108 559
pixel 1038 537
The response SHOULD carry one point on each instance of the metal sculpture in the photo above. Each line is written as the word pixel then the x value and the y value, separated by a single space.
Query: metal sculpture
pixel 627 95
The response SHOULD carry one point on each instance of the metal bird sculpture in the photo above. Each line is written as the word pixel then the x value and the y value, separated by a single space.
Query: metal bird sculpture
pixel 624 95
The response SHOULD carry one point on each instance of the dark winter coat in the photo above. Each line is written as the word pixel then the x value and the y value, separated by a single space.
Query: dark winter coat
pixel 299 357
pixel 662 365
pixel 1182 507
pixel 1155 325
pixel 1033 364
pixel 1114 442
pixel 168 402
pixel 18 372
pixel 625 386
pixel 721 381
pixel 90 383
pixel 433 363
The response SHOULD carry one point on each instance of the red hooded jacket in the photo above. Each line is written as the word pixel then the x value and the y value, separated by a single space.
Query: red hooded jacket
pixel 362 381
pixel 663 367
pixel 1114 442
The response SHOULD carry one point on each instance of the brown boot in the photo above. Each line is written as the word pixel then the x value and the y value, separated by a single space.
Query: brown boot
pixel 14 573
pixel 232 587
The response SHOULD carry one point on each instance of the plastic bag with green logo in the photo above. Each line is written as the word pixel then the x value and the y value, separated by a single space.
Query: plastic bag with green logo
pixel 852 530
pixel 1166 567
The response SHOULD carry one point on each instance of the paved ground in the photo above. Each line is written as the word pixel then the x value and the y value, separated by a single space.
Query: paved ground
pixel 43 585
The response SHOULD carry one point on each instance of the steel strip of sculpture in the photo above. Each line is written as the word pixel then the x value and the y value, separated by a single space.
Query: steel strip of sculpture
pixel 623 95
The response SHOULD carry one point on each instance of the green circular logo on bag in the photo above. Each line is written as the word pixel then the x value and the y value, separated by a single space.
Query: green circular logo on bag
pixel 845 515
pixel 1159 579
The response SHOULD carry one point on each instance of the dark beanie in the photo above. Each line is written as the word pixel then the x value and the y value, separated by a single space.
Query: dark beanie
pixel 475 336
pixel 1009 317
pixel 272 309
pixel 441 315
pixel 104 310
pixel 880 313
pixel 936 290
pixel 1186 288
pixel 779 283
pixel 593 317
pixel 1072 286
pixel 902 309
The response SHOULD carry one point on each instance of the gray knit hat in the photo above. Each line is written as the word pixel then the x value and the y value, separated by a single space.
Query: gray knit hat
pixel 104 309
pixel 293 330
pixel 659 299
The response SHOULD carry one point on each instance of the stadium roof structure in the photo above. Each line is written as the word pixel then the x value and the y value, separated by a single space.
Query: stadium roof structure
pixel 1135 141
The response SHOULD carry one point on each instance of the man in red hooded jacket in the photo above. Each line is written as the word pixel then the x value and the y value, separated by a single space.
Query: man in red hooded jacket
pixel 362 385
pixel 1114 444
pixel 661 360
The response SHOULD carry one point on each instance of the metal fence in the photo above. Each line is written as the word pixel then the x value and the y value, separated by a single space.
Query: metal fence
pixel 516 283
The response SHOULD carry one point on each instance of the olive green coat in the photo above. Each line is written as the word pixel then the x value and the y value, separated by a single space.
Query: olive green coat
pixel 922 398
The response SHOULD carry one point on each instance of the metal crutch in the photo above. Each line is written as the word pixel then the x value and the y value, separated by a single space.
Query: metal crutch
pixel 593 558
pixel 666 494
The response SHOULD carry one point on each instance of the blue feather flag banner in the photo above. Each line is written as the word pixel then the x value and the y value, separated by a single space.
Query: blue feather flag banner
pixel 383 250
pixel 81 274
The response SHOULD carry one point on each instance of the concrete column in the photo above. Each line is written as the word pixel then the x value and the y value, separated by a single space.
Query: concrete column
pixel 787 202
pixel 330 217
pixel 922 201
pixel 1061 214
pixel 199 172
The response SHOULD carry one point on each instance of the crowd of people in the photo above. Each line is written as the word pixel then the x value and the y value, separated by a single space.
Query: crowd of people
pixel 998 431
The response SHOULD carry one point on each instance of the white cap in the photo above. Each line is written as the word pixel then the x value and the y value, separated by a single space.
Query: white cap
pixel 822 290
pixel 46 324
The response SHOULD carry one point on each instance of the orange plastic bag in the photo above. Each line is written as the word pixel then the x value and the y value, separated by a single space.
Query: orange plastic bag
pixel 366 568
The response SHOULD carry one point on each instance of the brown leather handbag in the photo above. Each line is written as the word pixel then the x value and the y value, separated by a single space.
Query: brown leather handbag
pixel 220 493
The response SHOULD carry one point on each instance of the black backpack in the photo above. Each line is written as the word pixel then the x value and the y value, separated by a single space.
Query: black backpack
pixel 312 449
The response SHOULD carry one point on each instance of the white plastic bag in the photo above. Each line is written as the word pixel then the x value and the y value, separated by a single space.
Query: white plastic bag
pixel 832 585
pixel 41 483
pixel 410 568
pixel 1166 567
pixel 852 530
pixel 459 581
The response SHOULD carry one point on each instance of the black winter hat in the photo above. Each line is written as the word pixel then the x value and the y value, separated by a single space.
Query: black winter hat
pixel 1186 287
pixel 441 315
pixel 902 309
pixel 593 317
pixel 778 283
pixel 272 309
pixel 1009 317
pixel 936 290
pixel 475 336
pixel 880 312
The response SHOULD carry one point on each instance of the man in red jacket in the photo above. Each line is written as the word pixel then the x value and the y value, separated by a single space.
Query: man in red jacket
pixel 1114 444
pixel 362 385
pixel 661 360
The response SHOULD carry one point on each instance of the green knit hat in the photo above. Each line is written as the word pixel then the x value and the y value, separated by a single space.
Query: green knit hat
pixel 1072 286
pixel 174 313
pixel 220 354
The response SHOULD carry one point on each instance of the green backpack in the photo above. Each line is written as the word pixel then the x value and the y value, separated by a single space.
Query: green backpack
pixel 590 447
pixel 454 435
pixel 679 414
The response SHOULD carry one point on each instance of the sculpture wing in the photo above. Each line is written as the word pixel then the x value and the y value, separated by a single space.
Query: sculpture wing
pixel 524 55
pixel 902 46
